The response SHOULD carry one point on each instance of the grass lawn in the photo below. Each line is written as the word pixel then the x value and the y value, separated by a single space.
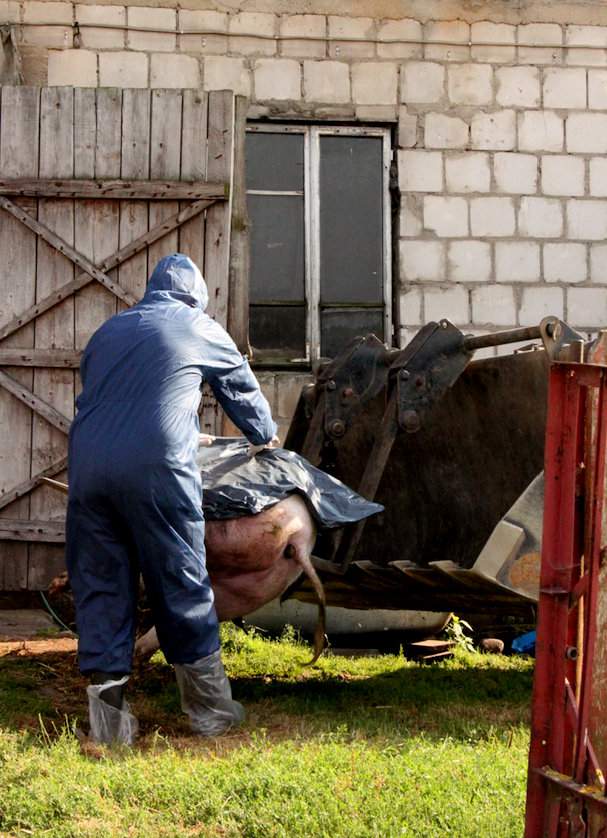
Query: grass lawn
pixel 350 747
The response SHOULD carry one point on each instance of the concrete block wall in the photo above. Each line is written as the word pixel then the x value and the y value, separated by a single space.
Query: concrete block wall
pixel 282 390
pixel 504 193
pixel 500 130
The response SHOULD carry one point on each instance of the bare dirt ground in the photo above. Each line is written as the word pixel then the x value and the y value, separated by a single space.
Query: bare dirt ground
pixel 48 667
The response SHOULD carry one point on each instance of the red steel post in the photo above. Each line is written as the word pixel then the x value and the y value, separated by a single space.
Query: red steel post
pixel 566 790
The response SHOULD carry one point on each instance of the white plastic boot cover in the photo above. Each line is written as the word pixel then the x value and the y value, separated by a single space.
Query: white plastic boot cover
pixel 109 724
pixel 206 696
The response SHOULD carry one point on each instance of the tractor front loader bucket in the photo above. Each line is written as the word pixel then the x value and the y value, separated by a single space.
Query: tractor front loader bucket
pixel 452 448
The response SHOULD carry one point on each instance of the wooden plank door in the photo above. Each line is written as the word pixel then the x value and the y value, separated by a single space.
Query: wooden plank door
pixel 73 261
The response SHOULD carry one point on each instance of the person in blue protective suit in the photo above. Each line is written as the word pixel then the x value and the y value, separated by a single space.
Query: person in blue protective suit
pixel 135 497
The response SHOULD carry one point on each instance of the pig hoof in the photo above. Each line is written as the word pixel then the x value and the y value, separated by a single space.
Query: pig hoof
pixel 147 644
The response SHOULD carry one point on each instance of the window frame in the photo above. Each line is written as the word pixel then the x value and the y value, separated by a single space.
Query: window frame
pixel 311 196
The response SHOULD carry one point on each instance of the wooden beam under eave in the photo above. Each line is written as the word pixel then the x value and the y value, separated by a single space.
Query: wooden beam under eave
pixel 12 529
pixel 129 190
pixel 61 358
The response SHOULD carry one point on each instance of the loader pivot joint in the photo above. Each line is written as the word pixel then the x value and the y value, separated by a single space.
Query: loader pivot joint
pixel 425 369
pixel 355 377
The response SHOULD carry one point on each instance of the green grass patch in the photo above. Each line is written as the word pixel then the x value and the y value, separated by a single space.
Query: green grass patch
pixel 350 747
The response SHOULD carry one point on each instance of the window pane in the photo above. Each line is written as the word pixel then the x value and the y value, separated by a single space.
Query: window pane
pixel 351 219
pixel 277 248
pixel 275 161
pixel 280 328
pixel 339 326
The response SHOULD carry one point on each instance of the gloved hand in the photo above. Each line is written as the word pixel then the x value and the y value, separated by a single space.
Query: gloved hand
pixel 255 449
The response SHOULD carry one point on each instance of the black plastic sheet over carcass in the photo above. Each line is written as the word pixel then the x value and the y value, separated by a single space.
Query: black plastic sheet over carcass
pixel 236 484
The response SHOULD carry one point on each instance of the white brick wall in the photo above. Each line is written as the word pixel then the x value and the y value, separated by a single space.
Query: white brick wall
pixel 518 87
pixel 423 82
pixel 516 173
pixel 374 83
pixel 59 15
pixel 277 78
pixel 540 218
pixel 494 131
pixel 469 172
pixel 564 88
pixel 308 26
pixel 101 38
pixel 446 217
pixel 363 28
pixel 587 133
pixel 597 89
pixel 393 30
pixel 326 81
pixel 223 73
pixel 410 307
pixel 203 21
pixel 420 171
pixel 485 32
pixel 540 33
pixel 492 217
pixel 493 305
pixel 538 303
pixel 455 31
pixel 422 260
pixel 448 301
pixel 152 18
pixel 442 131
pixel 407 128
pixel 598 264
pixel 540 131
pixel 470 84
pixel 517 262
pixel 123 69
pixel 565 262
pixel 563 175
pixel 72 66
pixel 174 71
pixel 259 24
pixel 598 176
pixel 587 307
pixel 469 261
pixel 586 219
pixel 588 36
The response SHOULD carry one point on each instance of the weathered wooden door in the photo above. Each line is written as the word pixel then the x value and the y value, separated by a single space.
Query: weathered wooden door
pixel 95 187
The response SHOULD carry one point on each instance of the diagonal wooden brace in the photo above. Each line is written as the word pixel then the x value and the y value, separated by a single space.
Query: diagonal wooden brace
pixel 23 489
pixel 63 247
pixel 108 264
pixel 44 409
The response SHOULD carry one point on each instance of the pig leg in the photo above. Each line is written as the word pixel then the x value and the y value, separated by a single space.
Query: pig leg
pixel 147 644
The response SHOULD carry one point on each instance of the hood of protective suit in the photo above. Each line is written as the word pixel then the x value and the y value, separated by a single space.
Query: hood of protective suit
pixel 178 278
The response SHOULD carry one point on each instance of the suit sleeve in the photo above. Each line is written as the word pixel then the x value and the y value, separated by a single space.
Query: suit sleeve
pixel 236 388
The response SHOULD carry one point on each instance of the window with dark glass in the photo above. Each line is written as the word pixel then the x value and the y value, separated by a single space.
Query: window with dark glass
pixel 320 240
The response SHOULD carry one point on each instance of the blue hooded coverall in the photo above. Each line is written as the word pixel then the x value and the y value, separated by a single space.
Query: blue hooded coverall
pixel 135 496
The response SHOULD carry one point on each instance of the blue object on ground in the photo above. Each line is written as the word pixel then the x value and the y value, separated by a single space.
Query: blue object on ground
pixel 135 496
pixel 525 644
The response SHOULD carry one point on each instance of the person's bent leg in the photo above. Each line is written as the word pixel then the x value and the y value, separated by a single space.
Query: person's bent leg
pixel 206 696
pixel 169 534
pixel 103 580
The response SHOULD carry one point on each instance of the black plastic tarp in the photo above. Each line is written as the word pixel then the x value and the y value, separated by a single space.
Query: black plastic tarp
pixel 235 484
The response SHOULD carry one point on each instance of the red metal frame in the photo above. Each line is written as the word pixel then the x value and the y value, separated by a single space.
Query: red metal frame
pixel 566 787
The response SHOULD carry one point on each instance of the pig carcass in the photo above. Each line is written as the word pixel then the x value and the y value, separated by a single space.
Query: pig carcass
pixel 253 559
